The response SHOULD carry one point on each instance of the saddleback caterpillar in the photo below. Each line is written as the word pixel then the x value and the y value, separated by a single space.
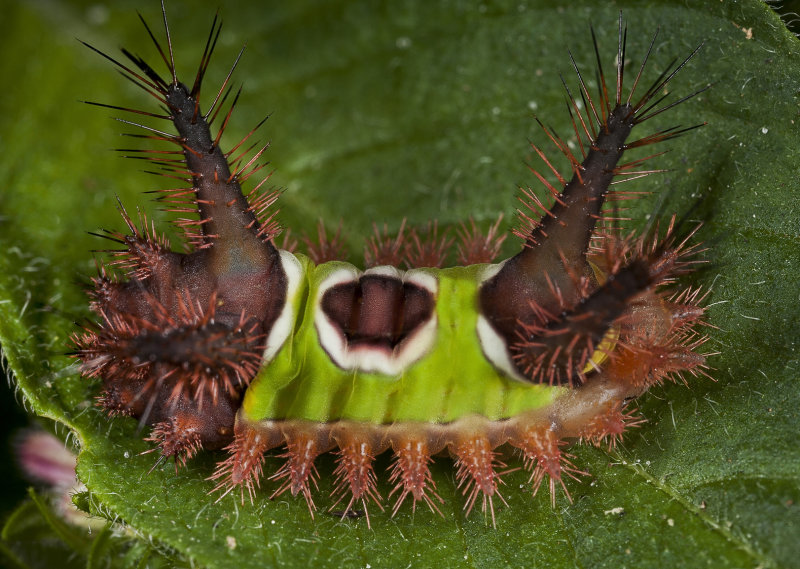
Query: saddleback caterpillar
pixel 239 344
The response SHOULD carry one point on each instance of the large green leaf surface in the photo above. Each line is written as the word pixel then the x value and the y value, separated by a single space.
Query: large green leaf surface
pixel 422 110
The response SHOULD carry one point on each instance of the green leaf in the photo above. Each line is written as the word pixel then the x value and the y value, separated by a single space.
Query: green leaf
pixel 34 522
pixel 422 110
pixel 35 536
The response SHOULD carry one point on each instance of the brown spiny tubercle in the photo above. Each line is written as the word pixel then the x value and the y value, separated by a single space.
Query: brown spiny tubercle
pixel 187 329
pixel 547 293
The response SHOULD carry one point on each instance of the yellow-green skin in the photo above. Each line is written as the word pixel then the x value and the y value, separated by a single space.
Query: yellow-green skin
pixel 451 381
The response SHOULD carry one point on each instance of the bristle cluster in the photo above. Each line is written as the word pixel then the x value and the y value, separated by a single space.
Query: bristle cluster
pixel 476 472
pixel 411 475
pixel 607 428
pixel 244 465
pixel 185 348
pixel 427 248
pixel 543 457
pixel 476 246
pixel 298 473
pixel 177 439
pixel 355 477
pixel 144 247
pixel 326 247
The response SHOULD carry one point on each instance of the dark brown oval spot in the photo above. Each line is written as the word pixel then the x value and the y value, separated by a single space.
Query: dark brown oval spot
pixel 377 310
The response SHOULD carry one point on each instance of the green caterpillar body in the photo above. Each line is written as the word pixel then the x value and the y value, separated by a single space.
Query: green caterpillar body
pixel 445 377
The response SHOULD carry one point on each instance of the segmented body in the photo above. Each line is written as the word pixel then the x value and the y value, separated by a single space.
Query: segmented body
pixel 239 343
